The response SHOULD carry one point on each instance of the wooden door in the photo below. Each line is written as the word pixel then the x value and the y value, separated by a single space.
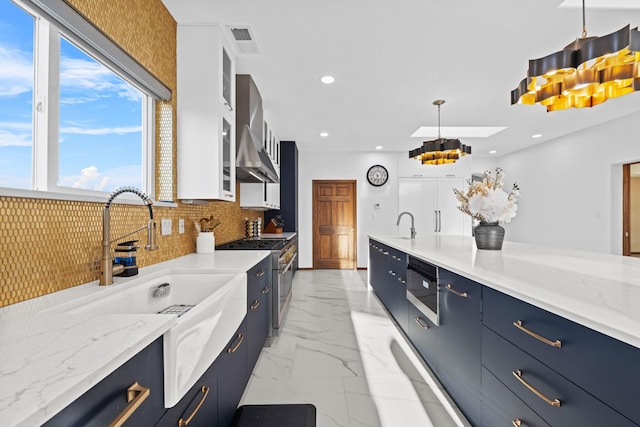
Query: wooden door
pixel 334 224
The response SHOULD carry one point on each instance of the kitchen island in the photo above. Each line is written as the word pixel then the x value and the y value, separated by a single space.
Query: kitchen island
pixel 529 334
pixel 50 358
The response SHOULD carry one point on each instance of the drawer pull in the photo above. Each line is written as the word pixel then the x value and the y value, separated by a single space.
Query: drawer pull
pixel 421 323
pixel 136 394
pixel 517 422
pixel 518 324
pixel 205 393
pixel 518 374
pixel 260 273
pixel 265 290
pixel 453 291
pixel 255 305
pixel 233 349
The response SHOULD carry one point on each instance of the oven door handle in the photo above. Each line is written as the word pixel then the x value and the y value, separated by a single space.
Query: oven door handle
pixel 289 264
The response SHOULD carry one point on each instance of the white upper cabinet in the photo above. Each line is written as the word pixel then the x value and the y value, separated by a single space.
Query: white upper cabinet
pixel 206 117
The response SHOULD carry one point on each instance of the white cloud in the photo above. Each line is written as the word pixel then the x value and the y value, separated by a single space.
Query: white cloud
pixel 16 72
pixel 100 131
pixel 94 79
pixel 91 178
pixel 15 134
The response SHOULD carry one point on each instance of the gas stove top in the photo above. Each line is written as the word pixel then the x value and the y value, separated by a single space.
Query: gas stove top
pixel 264 244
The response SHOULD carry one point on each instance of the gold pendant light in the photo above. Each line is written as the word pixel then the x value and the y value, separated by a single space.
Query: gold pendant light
pixel 442 150
pixel 585 73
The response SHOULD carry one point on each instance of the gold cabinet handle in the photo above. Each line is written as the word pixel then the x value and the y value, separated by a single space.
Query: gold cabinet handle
pixel 265 290
pixel 518 374
pixel 421 323
pixel 136 394
pixel 518 324
pixel 517 422
pixel 260 273
pixel 255 305
pixel 453 291
pixel 205 393
pixel 234 348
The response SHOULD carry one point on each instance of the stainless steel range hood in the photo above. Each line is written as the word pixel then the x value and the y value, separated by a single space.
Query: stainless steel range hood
pixel 252 161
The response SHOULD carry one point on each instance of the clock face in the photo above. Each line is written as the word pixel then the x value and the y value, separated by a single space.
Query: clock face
pixel 377 175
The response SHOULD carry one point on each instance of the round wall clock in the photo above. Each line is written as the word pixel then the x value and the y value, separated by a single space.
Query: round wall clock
pixel 377 175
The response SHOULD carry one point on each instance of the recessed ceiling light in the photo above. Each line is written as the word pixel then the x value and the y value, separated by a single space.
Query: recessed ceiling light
pixel 457 131
pixel 327 79
pixel 493 151
pixel 536 136
pixel 379 147
pixel 324 134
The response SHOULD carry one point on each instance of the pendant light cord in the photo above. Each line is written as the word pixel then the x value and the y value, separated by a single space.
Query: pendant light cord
pixel 584 22
pixel 438 121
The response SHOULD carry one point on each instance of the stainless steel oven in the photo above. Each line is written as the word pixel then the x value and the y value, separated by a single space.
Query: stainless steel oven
pixel 422 288
pixel 283 270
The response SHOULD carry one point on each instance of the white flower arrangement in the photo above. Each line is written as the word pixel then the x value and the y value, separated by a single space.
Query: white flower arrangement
pixel 486 201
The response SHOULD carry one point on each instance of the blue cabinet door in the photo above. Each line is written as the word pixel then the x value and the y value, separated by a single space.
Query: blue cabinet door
pixel 424 336
pixel 199 406
pixel 232 375
pixel 460 341
pixel 257 324
pixel 500 407
pixel 557 400
pixel 105 401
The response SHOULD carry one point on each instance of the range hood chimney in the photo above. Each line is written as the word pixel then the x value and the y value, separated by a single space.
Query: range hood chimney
pixel 252 161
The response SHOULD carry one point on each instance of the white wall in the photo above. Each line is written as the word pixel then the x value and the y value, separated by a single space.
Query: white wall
pixel 572 187
pixel 353 166
pixel 347 165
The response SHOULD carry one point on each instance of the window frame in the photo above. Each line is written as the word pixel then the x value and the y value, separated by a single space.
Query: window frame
pixel 48 32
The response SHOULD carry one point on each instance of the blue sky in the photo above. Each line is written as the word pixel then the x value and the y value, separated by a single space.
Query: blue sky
pixel 100 114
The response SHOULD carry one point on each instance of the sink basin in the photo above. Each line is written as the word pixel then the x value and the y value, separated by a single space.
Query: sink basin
pixel 216 306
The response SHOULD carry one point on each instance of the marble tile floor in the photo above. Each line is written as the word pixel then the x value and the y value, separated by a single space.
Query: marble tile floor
pixel 339 351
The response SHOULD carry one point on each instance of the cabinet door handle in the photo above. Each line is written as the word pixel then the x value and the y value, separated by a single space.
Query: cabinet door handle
pixel 518 324
pixel 518 374
pixel 226 104
pixel 517 422
pixel 136 394
pixel 439 221
pixel 205 392
pixel 255 305
pixel 265 290
pixel 260 273
pixel 453 291
pixel 421 323
pixel 435 215
pixel 234 348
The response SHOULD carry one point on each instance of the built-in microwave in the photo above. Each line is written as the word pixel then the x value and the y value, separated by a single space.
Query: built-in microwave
pixel 422 287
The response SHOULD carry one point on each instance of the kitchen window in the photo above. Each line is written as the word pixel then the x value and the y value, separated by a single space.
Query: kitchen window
pixel 77 114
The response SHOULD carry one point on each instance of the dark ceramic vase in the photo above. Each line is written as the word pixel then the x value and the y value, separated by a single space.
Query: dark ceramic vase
pixel 489 235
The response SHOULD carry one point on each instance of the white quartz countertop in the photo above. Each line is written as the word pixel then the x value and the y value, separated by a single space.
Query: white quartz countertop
pixel 598 290
pixel 49 359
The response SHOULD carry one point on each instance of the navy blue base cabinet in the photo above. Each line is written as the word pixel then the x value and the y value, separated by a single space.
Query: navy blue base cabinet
pixel 105 401
pixel 232 375
pixel 460 344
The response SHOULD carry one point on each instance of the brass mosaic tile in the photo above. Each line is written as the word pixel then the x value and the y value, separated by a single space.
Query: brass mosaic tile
pixel 49 245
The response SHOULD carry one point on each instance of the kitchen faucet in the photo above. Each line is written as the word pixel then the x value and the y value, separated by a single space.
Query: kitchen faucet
pixel 413 230
pixel 107 268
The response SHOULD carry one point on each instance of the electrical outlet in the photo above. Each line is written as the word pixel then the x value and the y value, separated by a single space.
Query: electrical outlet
pixel 166 227
pixel 181 226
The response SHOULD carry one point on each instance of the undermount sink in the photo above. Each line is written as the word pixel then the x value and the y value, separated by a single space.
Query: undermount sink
pixel 216 306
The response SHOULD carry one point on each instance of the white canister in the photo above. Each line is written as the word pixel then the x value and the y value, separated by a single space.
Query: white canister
pixel 205 242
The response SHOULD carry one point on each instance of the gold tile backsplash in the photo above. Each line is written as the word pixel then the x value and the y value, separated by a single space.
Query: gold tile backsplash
pixel 50 245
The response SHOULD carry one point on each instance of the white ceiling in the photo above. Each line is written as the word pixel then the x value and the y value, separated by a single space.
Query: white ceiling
pixel 391 60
